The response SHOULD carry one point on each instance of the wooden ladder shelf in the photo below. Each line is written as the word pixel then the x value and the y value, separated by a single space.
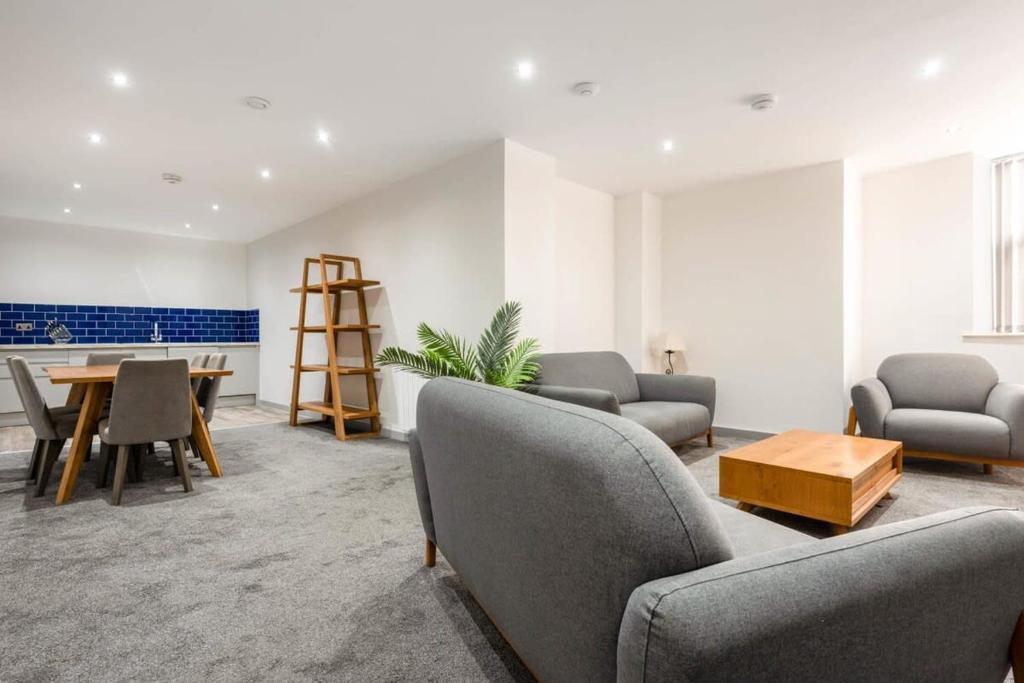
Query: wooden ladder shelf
pixel 331 290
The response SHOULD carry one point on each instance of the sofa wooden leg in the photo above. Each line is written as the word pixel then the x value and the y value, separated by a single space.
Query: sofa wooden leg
pixel 430 556
pixel 851 422
pixel 1017 651
pixel 989 469
pixel 711 438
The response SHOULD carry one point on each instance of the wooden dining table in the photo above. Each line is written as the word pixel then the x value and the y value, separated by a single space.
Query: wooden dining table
pixel 90 387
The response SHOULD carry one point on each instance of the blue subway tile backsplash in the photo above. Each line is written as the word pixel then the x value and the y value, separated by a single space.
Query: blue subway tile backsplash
pixel 91 324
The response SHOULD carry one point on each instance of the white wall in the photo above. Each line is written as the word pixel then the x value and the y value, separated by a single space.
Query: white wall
pixel 435 242
pixel 584 268
pixel 923 272
pixel 529 239
pixel 752 279
pixel 44 262
pixel 638 286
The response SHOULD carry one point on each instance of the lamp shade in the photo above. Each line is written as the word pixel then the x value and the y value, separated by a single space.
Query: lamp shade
pixel 669 341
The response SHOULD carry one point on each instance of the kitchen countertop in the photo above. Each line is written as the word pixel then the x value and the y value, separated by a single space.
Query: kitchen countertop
pixel 161 345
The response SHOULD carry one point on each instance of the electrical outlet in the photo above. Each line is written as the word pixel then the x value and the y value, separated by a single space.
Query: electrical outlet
pixel 23 327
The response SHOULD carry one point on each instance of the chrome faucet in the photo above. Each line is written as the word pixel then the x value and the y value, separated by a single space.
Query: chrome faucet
pixel 156 337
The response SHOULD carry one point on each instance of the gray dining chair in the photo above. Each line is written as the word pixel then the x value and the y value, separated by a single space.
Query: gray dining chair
pixel 198 361
pixel 104 358
pixel 151 403
pixel 52 426
pixel 207 394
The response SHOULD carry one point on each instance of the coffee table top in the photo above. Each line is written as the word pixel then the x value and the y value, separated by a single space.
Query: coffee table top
pixel 835 456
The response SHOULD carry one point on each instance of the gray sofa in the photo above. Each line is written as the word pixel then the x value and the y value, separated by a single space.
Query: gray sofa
pixel 675 407
pixel 945 406
pixel 598 557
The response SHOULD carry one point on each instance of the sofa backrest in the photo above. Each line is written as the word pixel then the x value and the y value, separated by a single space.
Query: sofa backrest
pixel 606 370
pixel 552 514
pixel 938 381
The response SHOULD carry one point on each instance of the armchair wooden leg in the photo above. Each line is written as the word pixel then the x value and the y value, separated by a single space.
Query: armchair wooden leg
pixel 430 556
pixel 711 438
pixel 1017 651
pixel 37 457
pixel 988 469
pixel 851 422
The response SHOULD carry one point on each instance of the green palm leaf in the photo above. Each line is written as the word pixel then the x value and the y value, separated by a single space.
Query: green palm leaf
pixel 497 340
pixel 496 359
pixel 451 349
pixel 520 366
pixel 423 364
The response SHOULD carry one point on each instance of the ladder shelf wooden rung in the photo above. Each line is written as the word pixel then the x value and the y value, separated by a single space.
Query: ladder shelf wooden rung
pixel 331 289
pixel 344 327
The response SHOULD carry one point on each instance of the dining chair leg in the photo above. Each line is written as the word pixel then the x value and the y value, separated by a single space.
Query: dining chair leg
pixel 178 448
pixel 50 454
pixel 195 448
pixel 119 472
pixel 33 465
pixel 103 467
pixel 151 448
pixel 137 461
pixel 174 460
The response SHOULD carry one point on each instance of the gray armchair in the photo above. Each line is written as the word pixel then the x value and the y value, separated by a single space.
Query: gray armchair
pixel 675 407
pixel 944 406
pixel 599 558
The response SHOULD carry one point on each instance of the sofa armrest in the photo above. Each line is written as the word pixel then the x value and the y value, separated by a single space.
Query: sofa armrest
pixel 1006 401
pixel 581 396
pixel 872 402
pixel 931 599
pixel 681 388
pixel 419 477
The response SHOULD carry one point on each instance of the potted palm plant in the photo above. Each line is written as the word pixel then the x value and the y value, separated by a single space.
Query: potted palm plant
pixel 496 359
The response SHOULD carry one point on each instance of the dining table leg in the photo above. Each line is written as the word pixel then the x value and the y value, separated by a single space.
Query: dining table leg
pixel 92 405
pixel 201 434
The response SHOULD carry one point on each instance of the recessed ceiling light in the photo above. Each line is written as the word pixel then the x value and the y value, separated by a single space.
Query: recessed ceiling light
pixel 952 129
pixel 265 174
pixel 323 136
pixel 931 68
pixel 77 186
pixel 525 70
pixel 188 225
pixel 119 79
pixel 67 210
pixel 96 138
pixel 215 207
pixel 667 145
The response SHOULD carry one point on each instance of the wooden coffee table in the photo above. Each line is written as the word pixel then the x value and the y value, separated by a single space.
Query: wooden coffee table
pixel 831 477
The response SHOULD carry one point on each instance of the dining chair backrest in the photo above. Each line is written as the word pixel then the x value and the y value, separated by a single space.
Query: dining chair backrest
pixel 198 361
pixel 151 402
pixel 102 358
pixel 209 390
pixel 31 400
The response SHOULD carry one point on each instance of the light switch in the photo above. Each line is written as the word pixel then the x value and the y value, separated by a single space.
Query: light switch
pixel 23 327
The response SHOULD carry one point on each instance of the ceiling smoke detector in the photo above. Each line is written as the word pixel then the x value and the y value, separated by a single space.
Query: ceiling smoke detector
pixel 257 103
pixel 171 178
pixel 586 89
pixel 763 102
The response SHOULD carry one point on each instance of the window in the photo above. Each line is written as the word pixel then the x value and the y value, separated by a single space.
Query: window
pixel 1008 244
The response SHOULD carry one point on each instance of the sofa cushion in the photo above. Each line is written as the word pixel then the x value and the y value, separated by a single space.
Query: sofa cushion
pixel 750 534
pixel 592 369
pixel 672 422
pixel 948 431
pixel 938 381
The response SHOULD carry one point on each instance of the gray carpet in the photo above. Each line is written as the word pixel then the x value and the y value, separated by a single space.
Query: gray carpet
pixel 302 563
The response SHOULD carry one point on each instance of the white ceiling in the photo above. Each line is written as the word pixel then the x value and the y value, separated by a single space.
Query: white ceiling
pixel 403 86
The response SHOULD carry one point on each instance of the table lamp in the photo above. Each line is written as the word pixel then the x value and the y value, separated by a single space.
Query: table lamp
pixel 669 344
